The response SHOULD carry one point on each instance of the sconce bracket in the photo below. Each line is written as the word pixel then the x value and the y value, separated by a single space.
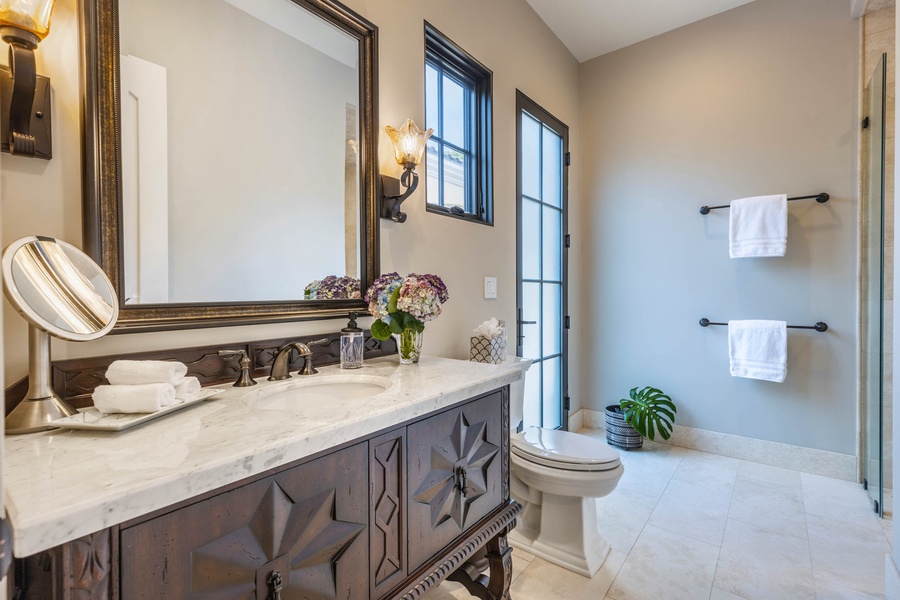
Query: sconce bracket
pixel 40 125
pixel 393 195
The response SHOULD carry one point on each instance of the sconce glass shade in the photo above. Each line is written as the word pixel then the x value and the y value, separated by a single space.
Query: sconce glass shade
pixel 31 15
pixel 409 142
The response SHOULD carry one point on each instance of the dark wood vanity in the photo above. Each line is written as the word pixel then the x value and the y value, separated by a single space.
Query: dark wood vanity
pixel 387 516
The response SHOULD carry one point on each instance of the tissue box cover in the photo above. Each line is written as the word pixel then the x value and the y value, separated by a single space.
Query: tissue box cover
pixel 487 350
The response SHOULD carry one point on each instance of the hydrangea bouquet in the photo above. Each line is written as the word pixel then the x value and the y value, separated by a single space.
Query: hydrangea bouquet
pixel 332 287
pixel 402 305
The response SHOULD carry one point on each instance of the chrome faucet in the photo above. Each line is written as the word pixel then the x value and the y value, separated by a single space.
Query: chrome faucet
pixel 282 360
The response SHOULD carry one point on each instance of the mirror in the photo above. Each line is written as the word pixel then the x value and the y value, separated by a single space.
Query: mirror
pixel 60 291
pixel 230 163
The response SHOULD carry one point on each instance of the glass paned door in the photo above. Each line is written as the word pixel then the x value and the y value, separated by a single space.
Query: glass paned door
pixel 542 197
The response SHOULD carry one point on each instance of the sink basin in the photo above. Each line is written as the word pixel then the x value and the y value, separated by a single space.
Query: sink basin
pixel 316 390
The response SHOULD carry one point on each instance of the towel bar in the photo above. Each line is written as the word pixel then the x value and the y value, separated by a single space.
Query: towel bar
pixel 820 198
pixel 820 326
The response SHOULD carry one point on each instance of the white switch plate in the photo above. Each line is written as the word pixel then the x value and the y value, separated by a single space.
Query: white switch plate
pixel 490 287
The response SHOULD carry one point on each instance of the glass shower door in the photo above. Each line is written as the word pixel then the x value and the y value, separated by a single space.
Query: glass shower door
pixel 872 318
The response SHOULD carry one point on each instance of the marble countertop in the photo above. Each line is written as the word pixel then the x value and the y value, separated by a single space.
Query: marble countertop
pixel 65 484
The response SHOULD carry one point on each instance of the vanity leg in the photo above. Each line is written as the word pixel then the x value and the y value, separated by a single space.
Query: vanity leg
pixel 494 585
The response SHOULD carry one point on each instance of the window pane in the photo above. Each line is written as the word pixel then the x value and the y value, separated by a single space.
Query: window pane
pixel 552 342
pixel 531 234
pixel 454 178
pixel 552 184
pixel 454 113
pixel 552 244
pixel 531 311
pixel 531 157
pixel 552 400
pixel 433 188
pixel 532 412
pixel 431 100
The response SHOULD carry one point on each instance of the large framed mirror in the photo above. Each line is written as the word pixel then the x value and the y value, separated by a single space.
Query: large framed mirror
pixel 230 159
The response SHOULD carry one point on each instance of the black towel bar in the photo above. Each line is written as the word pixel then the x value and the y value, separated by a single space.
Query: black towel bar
pixel 820 198
pixel 820 326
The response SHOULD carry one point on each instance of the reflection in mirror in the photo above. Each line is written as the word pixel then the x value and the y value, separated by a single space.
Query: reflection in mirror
pixel 239 133
pixel 60 291
pixel 219 206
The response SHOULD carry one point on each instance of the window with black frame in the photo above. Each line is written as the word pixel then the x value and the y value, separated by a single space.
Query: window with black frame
pixel 458 109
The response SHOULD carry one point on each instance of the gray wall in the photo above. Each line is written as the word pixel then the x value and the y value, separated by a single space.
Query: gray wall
pixel 758 100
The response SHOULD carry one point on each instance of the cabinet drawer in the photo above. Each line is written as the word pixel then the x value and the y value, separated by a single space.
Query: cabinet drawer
pixel 455 474
pixel 308 523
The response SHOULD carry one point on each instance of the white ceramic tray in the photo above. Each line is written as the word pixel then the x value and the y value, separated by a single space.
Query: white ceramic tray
pixel 93 419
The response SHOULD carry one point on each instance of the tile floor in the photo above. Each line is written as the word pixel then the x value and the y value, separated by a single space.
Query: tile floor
pixel 695 526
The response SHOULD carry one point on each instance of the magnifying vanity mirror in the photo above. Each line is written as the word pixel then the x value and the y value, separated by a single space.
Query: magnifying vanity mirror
pixel 61 292
pixel 230 159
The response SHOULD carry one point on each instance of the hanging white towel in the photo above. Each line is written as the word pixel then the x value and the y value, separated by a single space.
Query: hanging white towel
pixel 130 372
pixel 758 349
pixel 144 398
pixel 758 226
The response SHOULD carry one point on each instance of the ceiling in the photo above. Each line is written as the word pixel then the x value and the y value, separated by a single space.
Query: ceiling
pixel 590 28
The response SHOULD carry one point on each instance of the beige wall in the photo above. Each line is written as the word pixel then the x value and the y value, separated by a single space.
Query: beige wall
pixel 761 99
pixel 507 37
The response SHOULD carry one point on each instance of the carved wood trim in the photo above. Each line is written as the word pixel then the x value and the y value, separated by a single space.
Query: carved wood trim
pixel 387 511
pixel 75 379
pixel 431 576
pixel 88 563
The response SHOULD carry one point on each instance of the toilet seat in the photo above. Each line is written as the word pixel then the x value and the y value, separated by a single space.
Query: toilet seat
pixel 563 450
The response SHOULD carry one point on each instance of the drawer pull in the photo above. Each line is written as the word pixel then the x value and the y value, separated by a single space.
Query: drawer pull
pixel 462 481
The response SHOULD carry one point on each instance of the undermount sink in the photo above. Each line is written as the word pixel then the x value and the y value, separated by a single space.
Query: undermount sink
pixel 313 390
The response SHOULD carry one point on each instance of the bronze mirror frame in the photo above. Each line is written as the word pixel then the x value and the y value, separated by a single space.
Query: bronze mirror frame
pixel 102 186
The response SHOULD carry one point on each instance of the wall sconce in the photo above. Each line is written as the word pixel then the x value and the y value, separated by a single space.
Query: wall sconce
pixel 25 106
pixel 409 145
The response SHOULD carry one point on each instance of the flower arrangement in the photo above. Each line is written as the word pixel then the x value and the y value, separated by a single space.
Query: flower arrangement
pixel 402 306
pixel 332 287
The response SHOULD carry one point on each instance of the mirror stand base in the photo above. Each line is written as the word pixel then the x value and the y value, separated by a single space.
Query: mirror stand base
pixel 35 414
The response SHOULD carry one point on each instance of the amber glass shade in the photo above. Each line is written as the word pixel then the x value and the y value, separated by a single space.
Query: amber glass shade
pixel 409 142
pixel 30 15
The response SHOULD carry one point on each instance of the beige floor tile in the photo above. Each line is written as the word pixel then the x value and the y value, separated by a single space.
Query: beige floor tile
pixel 543 580
pixel 718 594
pixel 842 500
pixel 450 590
pixel 758 472
pixel 666 565
pixel 707 470
pixel 759 564
pixel 888 526
pixel 847 555
pixel 649 469
pixel 692 510
pixel 622 515
pixel 827 590
pixel 772 506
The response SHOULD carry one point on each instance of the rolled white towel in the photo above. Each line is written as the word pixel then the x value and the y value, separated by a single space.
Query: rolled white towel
pixel 141 398
pixel 187 389
pixel 132 372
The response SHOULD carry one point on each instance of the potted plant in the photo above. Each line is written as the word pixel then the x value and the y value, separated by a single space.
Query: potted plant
pixel 646 412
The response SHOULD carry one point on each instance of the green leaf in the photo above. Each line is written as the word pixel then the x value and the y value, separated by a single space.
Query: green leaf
pixel 392 301
pixel 381 330
pixel 649 411
pixel 396 325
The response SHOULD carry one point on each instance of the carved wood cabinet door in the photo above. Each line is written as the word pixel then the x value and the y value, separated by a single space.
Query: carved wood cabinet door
pixel 300 534
pixel 455 474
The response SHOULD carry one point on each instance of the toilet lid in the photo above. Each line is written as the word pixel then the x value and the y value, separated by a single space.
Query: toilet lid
pixel 568 450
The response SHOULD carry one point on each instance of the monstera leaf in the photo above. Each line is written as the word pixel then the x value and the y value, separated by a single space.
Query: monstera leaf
pixel 647 410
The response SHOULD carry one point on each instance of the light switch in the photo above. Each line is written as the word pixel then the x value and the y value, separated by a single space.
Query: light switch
pixel 490 287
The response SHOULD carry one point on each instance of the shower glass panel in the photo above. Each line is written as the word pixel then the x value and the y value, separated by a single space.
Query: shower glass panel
pixel 873 287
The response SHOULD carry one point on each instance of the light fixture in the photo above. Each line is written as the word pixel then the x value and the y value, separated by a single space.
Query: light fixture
pixel 409 145
pixel 25 107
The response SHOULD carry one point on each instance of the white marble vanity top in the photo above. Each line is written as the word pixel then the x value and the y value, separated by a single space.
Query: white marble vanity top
pixel 64 484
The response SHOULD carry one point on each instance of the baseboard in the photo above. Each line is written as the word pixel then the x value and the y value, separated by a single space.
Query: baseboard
pixel 576 420
pixel 797 458
pixel 891 579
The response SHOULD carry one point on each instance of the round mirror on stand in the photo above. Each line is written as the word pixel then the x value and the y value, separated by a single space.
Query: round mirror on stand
pixel 60 291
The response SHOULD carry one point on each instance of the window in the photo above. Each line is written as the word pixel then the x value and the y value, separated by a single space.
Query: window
pixel 458 108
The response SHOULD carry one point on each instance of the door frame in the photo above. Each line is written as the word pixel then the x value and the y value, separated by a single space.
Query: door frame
pixel 526 104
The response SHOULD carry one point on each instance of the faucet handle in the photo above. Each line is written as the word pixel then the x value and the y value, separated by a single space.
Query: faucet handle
pixel 308 368
pixel 244 379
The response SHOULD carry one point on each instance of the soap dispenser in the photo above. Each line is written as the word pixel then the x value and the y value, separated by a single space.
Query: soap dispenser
pixel 352 342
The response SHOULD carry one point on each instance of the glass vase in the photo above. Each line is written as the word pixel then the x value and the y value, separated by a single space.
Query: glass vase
pixel 409 345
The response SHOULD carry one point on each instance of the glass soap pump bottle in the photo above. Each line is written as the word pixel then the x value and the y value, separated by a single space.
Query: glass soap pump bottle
pixel 352 345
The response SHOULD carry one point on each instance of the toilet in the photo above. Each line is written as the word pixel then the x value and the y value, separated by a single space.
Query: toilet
pixel 557 476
